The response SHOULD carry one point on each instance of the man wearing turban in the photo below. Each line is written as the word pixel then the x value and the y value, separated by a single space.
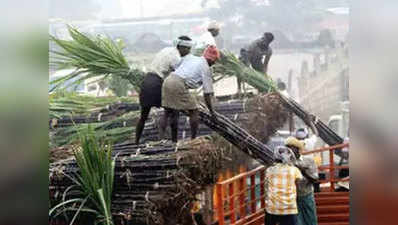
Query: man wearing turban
pixel 166 61
pixel 193 73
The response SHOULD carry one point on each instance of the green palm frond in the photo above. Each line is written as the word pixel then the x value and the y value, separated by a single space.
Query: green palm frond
pixel 92 56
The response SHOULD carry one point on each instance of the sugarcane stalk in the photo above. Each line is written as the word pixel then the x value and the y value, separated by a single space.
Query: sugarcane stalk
pixel 325 133
pixel 237 136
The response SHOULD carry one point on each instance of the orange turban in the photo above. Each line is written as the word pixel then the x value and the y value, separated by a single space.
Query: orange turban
pixel 211 53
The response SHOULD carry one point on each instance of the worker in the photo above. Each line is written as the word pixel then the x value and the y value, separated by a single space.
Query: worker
pixel 166 61
pixel 253 55
pixel 193 72
pixel 208 38
pixel 281 178
pixel 305 188
pixel 309 141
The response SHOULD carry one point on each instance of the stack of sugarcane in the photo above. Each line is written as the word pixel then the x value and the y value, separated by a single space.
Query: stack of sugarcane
pixel 255 115
pixel 112 117
pixel 154 183
pixel 116 130
pixel 65 105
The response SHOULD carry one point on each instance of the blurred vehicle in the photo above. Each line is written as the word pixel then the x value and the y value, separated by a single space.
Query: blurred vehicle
pixel 339 123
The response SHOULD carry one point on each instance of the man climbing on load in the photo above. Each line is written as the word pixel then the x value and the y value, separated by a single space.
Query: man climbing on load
pixel 193 73
pixel 305 187
pixel 166 61
pixel 257 55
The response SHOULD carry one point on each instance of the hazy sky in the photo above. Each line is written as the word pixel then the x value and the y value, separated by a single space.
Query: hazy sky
pixel 131 8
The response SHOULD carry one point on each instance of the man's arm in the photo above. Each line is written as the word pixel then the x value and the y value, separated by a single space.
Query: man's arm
pixel 266 60
pixel 309 177
pixel 207 87
pixel 207 97
pixel 312 119
pixel 309 169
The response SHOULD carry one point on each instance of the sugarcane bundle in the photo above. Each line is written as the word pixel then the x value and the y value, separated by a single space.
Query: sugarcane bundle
pixel 60 153
pixel 107 113
pixel 154 183
pixel 92 56
pixel 122 127
pixel 92 186
pixel 116 130
pixel 230 65
pixel 63 105
pixel 237 136
pixel 266 114
pixel 261 116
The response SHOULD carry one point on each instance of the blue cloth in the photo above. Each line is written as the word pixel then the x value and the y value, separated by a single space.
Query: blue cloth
pixel 307 210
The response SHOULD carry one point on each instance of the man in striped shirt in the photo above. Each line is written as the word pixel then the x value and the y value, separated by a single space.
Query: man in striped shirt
pixel 281 205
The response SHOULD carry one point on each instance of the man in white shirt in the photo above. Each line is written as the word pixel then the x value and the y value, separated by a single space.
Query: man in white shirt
pixel 208 38
pixel 193 73
pixel 309 141
pixel 166 61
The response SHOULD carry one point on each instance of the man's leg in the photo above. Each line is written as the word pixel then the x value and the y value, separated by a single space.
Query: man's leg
pixel 194 122
pixel 163 123
pixel 307 210
pixel 141 123
pixel 199 219
pixel 175 114
pixel 239 83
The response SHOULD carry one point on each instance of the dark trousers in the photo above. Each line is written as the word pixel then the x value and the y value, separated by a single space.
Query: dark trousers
pixel 199 219
pixel 271 219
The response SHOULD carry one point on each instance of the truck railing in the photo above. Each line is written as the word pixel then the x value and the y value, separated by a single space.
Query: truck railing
pixel 241 199
pixel 331 178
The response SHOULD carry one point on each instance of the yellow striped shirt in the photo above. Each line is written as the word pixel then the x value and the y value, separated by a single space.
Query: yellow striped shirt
pixel 281 189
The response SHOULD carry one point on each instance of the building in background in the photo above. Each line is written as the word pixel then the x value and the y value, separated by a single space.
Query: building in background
pixel 323 89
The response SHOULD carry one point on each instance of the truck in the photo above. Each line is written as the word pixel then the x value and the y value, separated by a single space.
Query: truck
pixel 339 123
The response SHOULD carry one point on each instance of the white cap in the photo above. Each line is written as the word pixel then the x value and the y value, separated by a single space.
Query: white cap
pixel 213 25
pixel 301 133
